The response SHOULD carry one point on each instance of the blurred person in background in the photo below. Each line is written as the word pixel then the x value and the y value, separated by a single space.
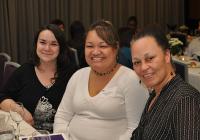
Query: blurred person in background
pixel 125 36
pixel 76 41
pixel 133 24
pixel 59 23
pixel 193 47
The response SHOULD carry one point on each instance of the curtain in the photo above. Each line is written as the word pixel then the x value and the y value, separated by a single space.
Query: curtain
pixel 20 19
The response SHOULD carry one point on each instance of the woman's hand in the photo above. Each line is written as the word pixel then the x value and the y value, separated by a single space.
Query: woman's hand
pixel 5 105
pixel 28 117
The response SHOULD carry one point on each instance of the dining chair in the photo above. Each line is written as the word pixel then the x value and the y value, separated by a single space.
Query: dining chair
pixel 181 69
pixel 9 68
pixel 4 57
pixel 75 55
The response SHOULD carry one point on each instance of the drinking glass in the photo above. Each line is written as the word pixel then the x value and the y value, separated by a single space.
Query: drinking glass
pixel 3 121
pixel 41 135
pixel 7 133
pixel 17 113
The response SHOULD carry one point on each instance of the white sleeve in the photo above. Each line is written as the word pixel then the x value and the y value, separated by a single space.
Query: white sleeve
pixel 136 95
pixel 189 49
pixel 65 111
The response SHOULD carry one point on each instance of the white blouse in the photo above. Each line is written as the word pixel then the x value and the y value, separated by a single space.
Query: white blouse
pixel 112 114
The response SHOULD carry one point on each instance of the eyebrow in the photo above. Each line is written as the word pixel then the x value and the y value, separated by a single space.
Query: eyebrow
pixel 145 55
pixel 102 42
pixel 41 39
pixel 54 41
pixel 135 58
pixel 98 43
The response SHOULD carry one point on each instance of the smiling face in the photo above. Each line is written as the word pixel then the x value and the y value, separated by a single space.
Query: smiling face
pixel 150 62
pixel 47 47
pixel 99 55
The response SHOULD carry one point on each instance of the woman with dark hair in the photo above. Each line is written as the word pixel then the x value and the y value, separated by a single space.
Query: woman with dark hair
pixel 77 34
pixel 101 99
pixel 172 110
pixel 40 84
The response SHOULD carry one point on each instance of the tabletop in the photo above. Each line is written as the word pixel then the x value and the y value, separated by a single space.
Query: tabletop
pixel 193 70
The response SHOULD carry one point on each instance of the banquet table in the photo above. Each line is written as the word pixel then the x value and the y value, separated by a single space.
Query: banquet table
pixel 25 128
pixel 193 70
pixel 194 77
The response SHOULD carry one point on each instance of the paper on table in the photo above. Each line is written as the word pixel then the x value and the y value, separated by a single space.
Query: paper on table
pixel 56 136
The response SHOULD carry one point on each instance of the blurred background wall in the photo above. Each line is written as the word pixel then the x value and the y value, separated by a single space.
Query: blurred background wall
pixel 192 13
pixel 20 19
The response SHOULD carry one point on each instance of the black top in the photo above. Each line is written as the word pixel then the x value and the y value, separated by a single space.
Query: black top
pixel 174 115
pixel 42 102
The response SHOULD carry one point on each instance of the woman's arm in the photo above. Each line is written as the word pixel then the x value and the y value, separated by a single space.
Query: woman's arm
pixel 65 111
pixel 136 96
pixel 186 119
pixel 12 88
pixel 6 106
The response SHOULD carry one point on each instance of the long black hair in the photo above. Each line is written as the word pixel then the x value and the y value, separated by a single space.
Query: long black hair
pixel 65 58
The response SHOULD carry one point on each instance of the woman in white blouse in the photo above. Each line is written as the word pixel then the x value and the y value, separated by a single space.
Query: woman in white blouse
pixel 105 100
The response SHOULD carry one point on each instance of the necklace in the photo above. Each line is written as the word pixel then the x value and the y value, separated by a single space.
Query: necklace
pixel 49 85
pixel 105 73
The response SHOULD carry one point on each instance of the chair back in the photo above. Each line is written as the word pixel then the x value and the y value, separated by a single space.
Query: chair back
pixel 181 69
pixel 4 57
pixel 9 68
pixel 75 53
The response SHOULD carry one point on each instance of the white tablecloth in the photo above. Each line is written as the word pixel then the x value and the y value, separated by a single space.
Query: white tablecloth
pixel 194 77
pixel 25 128
pixel 193 72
